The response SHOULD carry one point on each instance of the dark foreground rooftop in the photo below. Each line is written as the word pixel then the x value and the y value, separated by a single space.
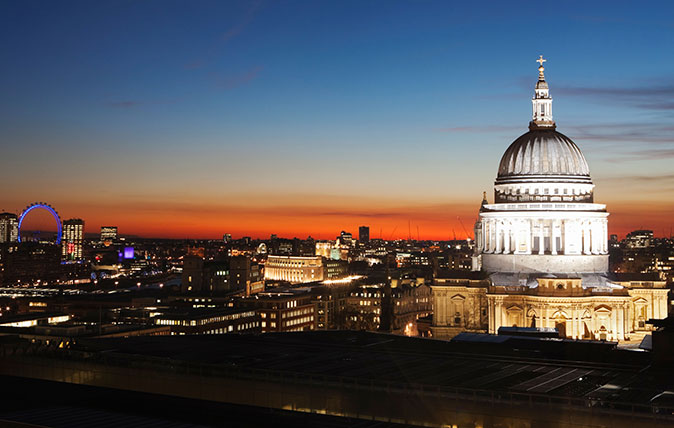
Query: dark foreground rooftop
pixel 374 376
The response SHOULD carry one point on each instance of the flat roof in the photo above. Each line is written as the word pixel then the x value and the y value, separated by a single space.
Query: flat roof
pixel 524 365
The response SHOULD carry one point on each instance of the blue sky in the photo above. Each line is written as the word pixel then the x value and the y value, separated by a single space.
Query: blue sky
pixel 112 107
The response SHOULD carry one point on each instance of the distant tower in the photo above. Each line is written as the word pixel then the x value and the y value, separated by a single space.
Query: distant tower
pixel 108 233
pixel 9 227
pixel 364 234
pixel 73 238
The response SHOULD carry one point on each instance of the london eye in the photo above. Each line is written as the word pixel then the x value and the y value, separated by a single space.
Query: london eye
pixel 49 208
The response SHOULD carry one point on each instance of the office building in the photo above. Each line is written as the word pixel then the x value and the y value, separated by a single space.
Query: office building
pixel 285 311
pixel 73 239
pixel 9 228
pixel 244 274
pixel 364 234
pixel 108 233
pixel 294 269
pixel 209 321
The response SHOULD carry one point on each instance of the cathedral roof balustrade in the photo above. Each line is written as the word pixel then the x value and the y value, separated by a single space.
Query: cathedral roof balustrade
pixel 544 207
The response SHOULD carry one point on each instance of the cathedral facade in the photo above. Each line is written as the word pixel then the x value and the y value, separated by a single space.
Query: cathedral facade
pixel 541 250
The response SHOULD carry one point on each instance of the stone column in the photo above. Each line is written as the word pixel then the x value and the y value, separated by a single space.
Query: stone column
pixel 621 322
pixel 604 236
pixel 499 232
pixel 553 237
pixel 614 322
pixel 586 238
pixel 492 235
pixel 574 326
pixel 506 237
pixel 541 237
pixel 529 234
pixel 483 244
pixel 492 316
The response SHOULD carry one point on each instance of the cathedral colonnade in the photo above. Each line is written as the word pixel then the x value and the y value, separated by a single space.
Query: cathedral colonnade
pixel 543 235
pixel 581 318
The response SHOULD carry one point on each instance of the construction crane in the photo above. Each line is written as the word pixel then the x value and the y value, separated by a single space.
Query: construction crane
pixel 394 231
pixel 464 228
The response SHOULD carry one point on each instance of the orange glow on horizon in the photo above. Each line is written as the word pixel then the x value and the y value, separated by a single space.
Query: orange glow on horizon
pixel 427 222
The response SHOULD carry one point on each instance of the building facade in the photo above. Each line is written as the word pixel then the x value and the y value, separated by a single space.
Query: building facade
pixel 294 269
pixel 286 311
pixel 108 233
pixel 542 247
pixel 216 321
pixel 9 228
pixel 364 234
pixel 73 240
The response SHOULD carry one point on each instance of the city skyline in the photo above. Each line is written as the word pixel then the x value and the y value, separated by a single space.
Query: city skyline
pixel 171 122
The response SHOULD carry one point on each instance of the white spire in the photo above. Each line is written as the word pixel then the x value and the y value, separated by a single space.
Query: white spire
pixel 541 103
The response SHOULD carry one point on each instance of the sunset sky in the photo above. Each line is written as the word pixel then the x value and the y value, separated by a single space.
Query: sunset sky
pixel 190 119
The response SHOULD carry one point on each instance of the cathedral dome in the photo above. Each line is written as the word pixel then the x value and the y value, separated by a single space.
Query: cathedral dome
pixel 543 152
pixel 543 165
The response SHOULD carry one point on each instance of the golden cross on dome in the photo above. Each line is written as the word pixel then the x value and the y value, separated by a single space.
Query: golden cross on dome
pixel 540 60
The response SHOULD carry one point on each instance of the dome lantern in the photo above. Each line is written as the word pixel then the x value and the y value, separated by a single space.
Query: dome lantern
pixel 541 103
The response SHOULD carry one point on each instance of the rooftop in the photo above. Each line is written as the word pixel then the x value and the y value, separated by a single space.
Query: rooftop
pixel 539 379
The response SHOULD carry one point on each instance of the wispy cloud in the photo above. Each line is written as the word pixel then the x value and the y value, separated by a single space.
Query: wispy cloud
pixel 490 128
pixel 128 104
pixel 124 104
pixel 651 154
pixel 630 132
pixel 194 65
pixel 638 179
pixel 243 23
pixel 234 81
pixel 229 34
pixel 645 132
pixel 657 96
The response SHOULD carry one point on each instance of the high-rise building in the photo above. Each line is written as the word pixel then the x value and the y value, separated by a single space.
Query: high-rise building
pixel 345 238
pixel 323 248
pixel 243 273
pixel 108 233
pixel 192 275
pixel 227 237
pixel 9 227
pixel 364 234
pixel 73 237
pixel 639 239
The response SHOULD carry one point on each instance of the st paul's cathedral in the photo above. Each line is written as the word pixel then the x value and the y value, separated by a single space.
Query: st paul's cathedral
pixel 541 250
